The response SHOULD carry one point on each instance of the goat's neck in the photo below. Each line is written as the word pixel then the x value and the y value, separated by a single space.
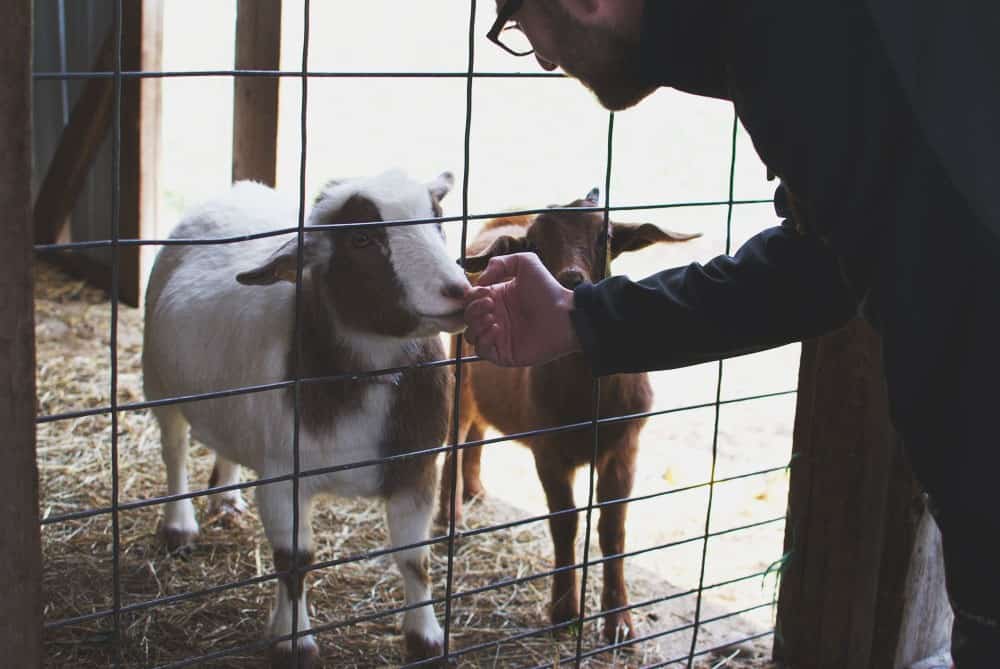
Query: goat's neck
pixel 331 348
pixel 574 372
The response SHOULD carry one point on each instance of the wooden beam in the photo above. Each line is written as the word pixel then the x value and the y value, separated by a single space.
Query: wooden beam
pixel 854 511
pixel 255 102
pixel 142 49
pixel 81 138
pixel 20 577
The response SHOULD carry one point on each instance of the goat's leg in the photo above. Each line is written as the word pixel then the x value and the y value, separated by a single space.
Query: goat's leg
pixel 226 506
pixel 557 480
pixel 408 513
pixel 180 527
pixel 472 484
pixel 468 430
pixel 614 481
pixel 276 514
pixel 447 483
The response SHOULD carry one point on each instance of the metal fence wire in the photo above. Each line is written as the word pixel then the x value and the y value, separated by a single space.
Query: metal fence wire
pixel 115 243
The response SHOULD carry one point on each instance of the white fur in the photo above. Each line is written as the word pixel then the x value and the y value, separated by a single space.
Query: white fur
pixel 420 261
pixel 206 332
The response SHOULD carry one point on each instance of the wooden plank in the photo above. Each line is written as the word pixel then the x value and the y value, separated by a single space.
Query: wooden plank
pixel 80 140
pixel 142 49
pixel 925 629
pixel 255 102
pixel 20 578
pixel 904 509
pixel 843 455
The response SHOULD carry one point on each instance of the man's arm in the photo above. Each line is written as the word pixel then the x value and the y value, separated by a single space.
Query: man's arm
pixel 781 286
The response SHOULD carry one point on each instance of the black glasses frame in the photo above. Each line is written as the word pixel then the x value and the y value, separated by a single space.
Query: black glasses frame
pixel 504 13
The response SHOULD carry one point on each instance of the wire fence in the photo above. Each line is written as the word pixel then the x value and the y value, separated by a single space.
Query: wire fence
pixel 458 364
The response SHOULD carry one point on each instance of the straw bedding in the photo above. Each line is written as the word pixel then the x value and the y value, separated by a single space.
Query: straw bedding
pixel 73 372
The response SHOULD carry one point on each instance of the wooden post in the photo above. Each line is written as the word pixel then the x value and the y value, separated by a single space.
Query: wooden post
pixel 20 577
pixel 255 101
pixel 142 49
pixel 854 511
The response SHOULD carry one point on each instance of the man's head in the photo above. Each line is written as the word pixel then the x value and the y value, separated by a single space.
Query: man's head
pixel 594 41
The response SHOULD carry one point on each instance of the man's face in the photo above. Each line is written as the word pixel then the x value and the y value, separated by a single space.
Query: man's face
pixel 604 58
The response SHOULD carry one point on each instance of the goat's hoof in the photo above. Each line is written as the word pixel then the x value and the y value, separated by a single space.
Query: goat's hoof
pixel 472 491
pixel 563 611
pixel 228 512
pixel 441 521
pixel 283 658
pixel 419 647
pixel 178 539
pixel 618 627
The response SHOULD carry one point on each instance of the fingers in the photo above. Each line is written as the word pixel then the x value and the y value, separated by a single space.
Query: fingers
pixel 486 346
pixel 475 293
pixel 479 309
pixel 476 330
pixel 501 269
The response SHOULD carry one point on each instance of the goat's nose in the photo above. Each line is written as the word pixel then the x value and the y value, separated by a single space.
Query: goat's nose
pixel 453 291
pixel 570 278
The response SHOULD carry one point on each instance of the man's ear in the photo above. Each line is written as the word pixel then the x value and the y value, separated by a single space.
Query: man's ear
pixel 635 236
pixel 501 246
pixel 282 264
pixel 441 185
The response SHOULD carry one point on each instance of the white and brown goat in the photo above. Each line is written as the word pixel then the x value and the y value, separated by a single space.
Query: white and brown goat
pixel 570 244
pixel 221 317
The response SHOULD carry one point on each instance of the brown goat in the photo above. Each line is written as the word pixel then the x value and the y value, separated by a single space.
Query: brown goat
pixel 571 245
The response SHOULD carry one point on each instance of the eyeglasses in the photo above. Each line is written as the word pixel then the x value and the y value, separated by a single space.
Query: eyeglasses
pixel 517 42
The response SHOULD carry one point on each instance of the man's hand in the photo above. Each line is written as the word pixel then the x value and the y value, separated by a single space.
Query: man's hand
pixel 518 314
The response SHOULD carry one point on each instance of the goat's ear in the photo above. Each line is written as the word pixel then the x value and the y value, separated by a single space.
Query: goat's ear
pixel 282 264
pixel 501 246
pixel 324 191
pixel 635 236
pixel 441 185
pixel 593 197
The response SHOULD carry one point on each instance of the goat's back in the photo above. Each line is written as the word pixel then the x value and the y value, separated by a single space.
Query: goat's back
pixel 202 325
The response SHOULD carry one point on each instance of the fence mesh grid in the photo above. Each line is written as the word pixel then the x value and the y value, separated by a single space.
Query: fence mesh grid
pixel 300 378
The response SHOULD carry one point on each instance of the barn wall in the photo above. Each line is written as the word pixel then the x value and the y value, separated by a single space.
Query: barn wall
pixel 79 38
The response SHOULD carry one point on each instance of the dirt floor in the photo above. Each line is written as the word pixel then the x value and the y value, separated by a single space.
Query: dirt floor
pixel 74 462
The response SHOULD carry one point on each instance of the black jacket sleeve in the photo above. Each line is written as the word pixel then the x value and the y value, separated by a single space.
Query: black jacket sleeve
pixel 781 286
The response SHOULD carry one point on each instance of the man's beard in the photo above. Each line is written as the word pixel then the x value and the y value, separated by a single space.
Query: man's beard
pixel 605 62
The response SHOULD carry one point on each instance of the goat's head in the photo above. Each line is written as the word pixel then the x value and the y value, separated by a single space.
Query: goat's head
pixel 388 280
pixel 572 244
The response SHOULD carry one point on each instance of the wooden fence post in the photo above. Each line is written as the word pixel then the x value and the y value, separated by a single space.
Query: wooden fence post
pixel 854 511
pixel 20 577
pixel 255 99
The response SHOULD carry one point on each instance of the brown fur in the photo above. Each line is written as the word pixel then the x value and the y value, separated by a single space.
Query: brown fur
pixel 570 244
pixel 419 422
pixel 285 561
pixel 419 416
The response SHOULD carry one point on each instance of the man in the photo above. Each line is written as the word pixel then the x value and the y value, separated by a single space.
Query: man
pixel 880 117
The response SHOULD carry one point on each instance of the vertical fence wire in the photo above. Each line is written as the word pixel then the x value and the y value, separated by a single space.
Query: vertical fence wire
pixel 454 452
pixel 116 149
pixel 296 569
pixel 718 410
pixel 602 265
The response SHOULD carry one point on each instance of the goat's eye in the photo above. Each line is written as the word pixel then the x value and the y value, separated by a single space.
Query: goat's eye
pixel 359 240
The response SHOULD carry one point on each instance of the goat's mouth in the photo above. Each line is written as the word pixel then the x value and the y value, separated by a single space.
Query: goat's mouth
pixel 451 321
pixel 450 315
